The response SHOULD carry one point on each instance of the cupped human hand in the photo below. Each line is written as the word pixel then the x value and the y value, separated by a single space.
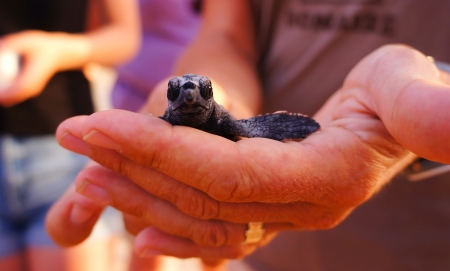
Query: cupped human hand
pixel 200 190
pixel 42 55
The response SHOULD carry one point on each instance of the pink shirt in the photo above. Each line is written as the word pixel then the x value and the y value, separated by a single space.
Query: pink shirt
pixel 168 26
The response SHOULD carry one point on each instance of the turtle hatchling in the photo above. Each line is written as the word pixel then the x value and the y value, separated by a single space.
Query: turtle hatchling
pixel 191 103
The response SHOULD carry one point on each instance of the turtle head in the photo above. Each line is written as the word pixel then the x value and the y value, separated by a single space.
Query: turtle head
pixel 190 99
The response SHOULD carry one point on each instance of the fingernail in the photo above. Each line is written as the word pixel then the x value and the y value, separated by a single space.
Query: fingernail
pixel 74 144
pixel 150 253
pixel 80 215
pixel 94 192
pixel 97 138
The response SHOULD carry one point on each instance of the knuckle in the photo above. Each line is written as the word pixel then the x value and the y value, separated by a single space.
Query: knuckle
pixel 116 163
pixel 215 236
pixel 222 190
pixel 231 189
pixel 135 208
pixel 124 167
pixel 198 206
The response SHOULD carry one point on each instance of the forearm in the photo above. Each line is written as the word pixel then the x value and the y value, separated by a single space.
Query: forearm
pixel 225 52
pixel 119 38
pixel 111 43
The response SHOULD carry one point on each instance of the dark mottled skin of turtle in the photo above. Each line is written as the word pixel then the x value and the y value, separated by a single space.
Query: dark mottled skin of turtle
pixel 191 103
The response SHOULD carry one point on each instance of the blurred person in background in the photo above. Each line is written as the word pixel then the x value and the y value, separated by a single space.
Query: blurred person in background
pixel 53 42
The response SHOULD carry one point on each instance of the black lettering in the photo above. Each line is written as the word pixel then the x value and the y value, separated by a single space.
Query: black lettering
pixel 323 21
pixel 363 22
pixel 348 24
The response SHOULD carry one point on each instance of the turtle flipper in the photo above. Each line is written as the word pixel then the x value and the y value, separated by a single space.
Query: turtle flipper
pixel 278 126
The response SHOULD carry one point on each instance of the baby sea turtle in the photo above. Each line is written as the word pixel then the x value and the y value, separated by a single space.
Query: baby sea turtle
pixel 191 103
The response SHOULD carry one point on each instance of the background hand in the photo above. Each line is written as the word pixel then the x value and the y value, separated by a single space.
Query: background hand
pixel 43 54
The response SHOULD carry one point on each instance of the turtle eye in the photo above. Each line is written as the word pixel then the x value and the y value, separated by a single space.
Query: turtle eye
pixel 173 90
pixel 205 88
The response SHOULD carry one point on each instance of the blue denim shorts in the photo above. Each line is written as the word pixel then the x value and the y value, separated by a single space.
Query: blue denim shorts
pixel 34 172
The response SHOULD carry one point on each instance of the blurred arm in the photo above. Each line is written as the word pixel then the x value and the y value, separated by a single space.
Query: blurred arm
pixel 118 38
pixel 46 53
pixel 225 52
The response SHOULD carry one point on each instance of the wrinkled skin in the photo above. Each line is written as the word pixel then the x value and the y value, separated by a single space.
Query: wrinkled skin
pixel 190 194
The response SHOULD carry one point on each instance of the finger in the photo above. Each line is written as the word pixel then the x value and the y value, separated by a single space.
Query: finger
pixel 69 135
pixel 251 170
pixel 72 218
pixel 131 199
pixel 187 199
pixel 35 72
pixel 260 170
pixel 151 242
pixel 225 170
pixel 194 203
pixel 34 75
